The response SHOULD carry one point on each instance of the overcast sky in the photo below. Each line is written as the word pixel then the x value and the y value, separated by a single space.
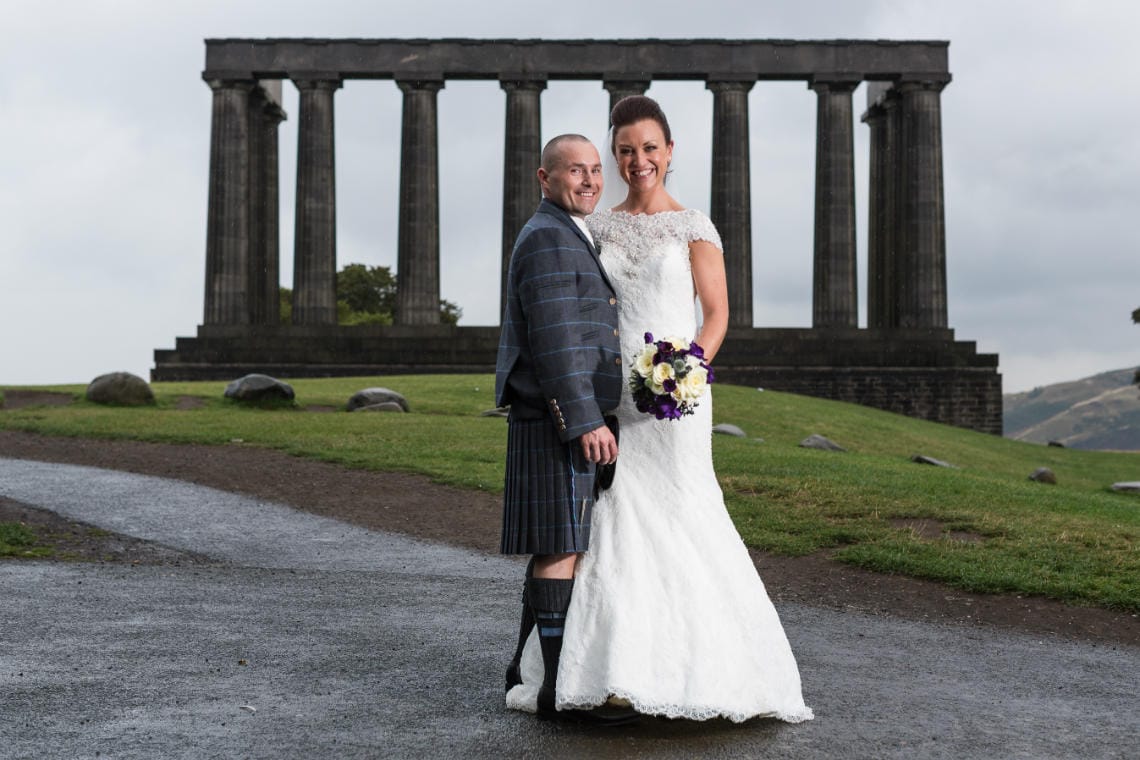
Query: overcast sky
pixel 104 148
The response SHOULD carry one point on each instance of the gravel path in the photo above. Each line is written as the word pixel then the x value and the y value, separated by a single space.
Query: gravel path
pixel 314 638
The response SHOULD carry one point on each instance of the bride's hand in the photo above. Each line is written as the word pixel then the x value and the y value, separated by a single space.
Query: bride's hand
pixel 599 446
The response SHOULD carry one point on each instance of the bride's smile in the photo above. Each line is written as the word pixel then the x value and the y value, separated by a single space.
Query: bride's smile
pixel 643 154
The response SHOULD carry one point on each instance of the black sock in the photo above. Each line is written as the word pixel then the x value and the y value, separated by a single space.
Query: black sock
pixel 549 599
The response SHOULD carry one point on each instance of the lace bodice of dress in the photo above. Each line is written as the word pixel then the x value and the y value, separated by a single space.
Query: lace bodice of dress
pixel 647 259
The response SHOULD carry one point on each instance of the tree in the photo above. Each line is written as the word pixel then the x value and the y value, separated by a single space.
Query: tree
pixel 367 296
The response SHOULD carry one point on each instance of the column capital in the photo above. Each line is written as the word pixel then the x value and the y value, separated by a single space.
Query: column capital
pixel 226 83
pixel 532 82
pixel 626 82
pixel 874 112
pixel 271 110
pixel 311 80
pixel 428 83
pixel 834 82
pixel 918 80
pixel 731 84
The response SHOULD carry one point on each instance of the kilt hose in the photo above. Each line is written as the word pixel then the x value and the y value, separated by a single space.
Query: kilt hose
pixel 548 493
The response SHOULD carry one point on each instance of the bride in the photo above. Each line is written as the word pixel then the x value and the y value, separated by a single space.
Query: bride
pixel 668 613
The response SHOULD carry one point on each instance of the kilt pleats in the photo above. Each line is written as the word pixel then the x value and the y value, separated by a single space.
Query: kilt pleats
pixel 548 492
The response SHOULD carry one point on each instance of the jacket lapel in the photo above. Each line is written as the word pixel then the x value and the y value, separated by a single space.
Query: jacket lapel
pixel 559 213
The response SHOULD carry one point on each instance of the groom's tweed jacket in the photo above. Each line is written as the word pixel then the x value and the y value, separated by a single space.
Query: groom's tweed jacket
pixel 559 351
pixel 559 368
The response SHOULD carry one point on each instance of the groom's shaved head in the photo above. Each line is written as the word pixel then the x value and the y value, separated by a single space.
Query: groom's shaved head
pixel 552 153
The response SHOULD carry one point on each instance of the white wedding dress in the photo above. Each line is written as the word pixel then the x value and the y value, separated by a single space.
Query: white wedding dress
pixel 667 611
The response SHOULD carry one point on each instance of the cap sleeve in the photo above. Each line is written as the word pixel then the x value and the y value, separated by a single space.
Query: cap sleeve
pixel 700 227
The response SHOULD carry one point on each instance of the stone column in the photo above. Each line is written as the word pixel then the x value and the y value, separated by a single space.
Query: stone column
pixel 922 215
pixel 227 224
pixel 521 156
pixel 732 193
pixel 835 299
pixel 314 257
pixel 264 265
pixel 417 277
pixel 882 290
pixel 623 87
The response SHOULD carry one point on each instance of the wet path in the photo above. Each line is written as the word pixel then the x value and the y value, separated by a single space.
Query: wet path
pixel 314 638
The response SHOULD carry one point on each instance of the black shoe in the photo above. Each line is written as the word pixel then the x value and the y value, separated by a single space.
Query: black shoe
pixel 514 675
pixel 602 715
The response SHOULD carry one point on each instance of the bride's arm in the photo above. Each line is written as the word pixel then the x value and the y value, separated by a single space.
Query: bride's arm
pixel 708 277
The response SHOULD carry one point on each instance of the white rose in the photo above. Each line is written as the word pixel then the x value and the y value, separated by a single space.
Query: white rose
pixel 661 373
pixel 644 362
pixel 678 343
pixel 693 385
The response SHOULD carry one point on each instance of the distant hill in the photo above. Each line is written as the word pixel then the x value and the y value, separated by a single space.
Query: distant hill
pixel 1098 412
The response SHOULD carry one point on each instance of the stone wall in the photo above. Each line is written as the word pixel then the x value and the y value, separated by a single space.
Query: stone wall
pixel 919 373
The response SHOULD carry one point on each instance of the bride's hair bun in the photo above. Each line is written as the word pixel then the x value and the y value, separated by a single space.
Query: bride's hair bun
pixel 633 109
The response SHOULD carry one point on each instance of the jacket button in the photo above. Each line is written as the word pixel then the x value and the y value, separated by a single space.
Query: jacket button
pixel 617 360
pixel 615 332
pixel 613 301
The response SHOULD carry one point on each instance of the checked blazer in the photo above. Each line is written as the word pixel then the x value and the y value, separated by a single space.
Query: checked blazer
pixel 559 351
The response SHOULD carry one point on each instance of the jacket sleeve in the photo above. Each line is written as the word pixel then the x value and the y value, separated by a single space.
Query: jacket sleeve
pixel 549 290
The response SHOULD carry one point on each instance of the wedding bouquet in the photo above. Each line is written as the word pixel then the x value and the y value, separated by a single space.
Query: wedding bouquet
pixel 668 377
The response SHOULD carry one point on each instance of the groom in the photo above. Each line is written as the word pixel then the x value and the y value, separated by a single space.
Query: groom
pixel 559 369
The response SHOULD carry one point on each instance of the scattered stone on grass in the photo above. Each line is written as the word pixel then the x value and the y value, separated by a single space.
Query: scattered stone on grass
pixel 1044 475
pixel 816 441
pixel 383 406
pixel 501 411
pixel 1056 444
pixel 257 387
pixel 1127 486
pixel 923 459
pixel 726 428
pixel 373 396
pixel 120 389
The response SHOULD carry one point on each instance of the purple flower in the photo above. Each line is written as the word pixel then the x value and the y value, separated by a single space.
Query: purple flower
pixel 669 385
pixel 696 350
pixel 667 408
pixel 709 369
pixel 648 337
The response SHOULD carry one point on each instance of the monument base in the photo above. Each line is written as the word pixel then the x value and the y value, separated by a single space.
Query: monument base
pixel 920 373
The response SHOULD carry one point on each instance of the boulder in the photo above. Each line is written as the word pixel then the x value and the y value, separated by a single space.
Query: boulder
pixel 383 406
pixel 816 441
pixel 1057 444
pixel 725 428
pixel 259 388
pixel 1127 487
pixel 373 396
pixel 1044 475
pixel 120 389
pixel 923 459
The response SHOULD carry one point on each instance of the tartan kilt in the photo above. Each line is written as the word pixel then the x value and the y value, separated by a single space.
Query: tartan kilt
pixel 548 493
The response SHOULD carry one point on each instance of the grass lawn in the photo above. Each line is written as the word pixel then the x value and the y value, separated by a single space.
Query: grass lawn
pixel 1077 541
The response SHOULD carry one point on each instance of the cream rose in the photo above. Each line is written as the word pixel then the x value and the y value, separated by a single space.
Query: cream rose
pixel 661 373
pixel 644 362
pixel 692 386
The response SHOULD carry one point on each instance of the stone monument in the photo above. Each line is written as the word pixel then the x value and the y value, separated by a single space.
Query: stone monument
pixel 906 359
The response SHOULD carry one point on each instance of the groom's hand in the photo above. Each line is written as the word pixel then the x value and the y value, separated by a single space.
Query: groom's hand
pixel 600 446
